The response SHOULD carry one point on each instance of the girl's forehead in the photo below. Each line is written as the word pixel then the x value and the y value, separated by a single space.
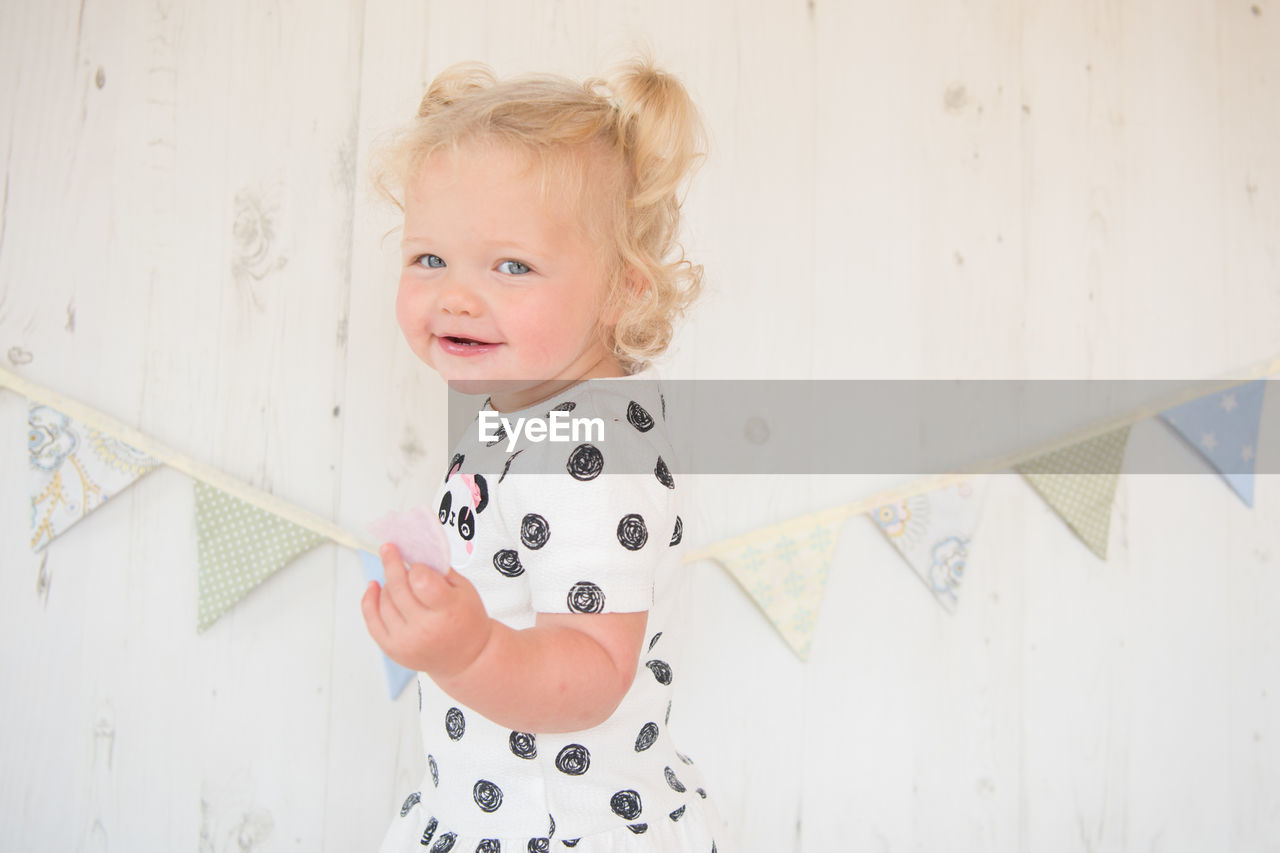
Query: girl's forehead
pixel 508 184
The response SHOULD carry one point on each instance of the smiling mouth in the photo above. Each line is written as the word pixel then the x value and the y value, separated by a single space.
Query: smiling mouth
pixel 466 341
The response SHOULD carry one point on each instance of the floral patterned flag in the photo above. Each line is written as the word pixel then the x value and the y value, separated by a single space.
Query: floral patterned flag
pixel 932 532
pixel 73 470
pixel 1083 500
pixel 786 575
pixel 1223 428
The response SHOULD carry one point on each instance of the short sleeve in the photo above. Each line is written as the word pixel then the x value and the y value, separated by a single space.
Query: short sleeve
pixel 590 541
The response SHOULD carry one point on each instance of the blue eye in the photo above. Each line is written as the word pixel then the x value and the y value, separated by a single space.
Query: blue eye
pixel 513 268
pixel 434 261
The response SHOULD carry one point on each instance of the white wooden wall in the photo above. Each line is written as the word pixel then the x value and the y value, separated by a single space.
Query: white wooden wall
pixel 1009 188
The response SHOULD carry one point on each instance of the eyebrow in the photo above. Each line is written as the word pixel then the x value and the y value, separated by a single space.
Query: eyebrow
pixel 511 246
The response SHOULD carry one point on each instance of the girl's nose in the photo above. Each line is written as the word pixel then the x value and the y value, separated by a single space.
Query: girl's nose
pixel 457 296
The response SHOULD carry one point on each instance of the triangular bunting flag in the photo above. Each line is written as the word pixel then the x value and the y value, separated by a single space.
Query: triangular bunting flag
pixel 397 676
pixel 239 546
pixel 73 469
pixel 932 532
pixel 1082 500
pixel 1223 427
pixel 786 575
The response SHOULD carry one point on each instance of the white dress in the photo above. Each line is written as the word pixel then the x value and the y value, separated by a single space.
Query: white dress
pixel 561 527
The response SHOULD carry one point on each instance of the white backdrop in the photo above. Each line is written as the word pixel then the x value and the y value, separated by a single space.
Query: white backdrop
pixel 1000 189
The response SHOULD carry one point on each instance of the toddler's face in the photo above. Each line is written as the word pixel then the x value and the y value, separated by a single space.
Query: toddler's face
pixel 501 290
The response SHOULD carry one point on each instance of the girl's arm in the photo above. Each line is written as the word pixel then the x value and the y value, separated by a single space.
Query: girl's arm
pixel 568 672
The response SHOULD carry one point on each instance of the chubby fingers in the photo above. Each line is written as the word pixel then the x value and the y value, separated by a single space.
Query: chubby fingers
pixel 373 621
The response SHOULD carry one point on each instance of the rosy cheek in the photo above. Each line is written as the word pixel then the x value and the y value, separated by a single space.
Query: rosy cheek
pixel 469 548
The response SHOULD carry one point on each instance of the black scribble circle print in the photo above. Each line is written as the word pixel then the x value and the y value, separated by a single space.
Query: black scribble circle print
pixel 551 833
pixel 571 842
pixel 654 641
pixel 498 437
pixel 435 770
pixel 489 845
pixel 626 804
pixel 567 406
pixel 573 760
pixel 507 562
pixel 487 795
pixel 663 401
pixel 701 793
pixel 684 758
pixel 409 802
pixel 667 720
pixel 585 462
pixel 444 843
pixel 534 531
pixel 648 735
pixel 678 533
pixel 585 597
pixel 638 828
pixel 664 474
pixel 428 832
pixel 523 745
pixel 455 464
pixel 632 533
pixel 638 417
pixel 676 784
pixel 677 814
pixel 506 466
pixel 454 724
pixel 660 670
pixel 539 845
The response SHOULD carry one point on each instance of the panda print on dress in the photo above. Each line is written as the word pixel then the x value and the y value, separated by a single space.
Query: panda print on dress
pixel 466 498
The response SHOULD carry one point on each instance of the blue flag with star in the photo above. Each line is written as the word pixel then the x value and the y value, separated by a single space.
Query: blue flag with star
pixel 1223 428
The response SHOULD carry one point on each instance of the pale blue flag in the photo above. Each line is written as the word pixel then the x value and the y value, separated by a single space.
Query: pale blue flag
pixel 1223 427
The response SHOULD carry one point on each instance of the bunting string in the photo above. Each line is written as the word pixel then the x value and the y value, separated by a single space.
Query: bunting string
pixel 165 455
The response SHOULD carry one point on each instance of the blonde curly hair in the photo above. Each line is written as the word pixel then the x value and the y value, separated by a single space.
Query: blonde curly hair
pixel 631 139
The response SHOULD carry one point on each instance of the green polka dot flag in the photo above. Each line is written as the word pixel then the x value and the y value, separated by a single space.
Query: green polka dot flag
pixel 1083 500
pixel 239 546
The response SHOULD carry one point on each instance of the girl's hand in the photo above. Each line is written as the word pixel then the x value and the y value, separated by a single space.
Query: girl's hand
pixel 423 620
